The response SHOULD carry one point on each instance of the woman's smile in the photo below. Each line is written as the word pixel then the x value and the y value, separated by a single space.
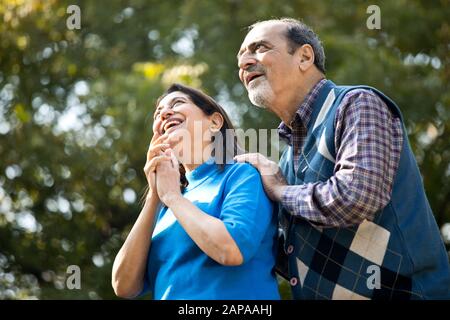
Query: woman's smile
pixel 172 124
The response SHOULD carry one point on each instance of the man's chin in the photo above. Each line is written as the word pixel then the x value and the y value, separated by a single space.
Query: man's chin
pixel 259 105
pixel 257 100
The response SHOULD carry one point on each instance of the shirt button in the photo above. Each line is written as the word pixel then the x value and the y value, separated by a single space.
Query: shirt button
pixel 293 281
pixel 290 249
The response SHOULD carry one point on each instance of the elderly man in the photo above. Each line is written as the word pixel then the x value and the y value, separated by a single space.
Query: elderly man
pixel 354 218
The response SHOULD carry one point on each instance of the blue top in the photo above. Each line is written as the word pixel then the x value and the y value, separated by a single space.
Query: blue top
pixel 178 269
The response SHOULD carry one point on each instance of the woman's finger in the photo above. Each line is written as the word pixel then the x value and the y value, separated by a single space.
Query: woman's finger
pixel 156 136
pixel 164 138
pixel 174 159
pixel 156 150
pixel 153 163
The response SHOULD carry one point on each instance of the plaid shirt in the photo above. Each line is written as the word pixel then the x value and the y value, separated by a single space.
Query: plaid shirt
pixel 368 142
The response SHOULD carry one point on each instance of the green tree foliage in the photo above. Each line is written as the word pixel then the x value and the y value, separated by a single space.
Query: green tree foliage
pixel 76 106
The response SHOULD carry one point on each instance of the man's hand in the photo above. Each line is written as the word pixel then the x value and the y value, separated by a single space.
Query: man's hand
pixel 272 178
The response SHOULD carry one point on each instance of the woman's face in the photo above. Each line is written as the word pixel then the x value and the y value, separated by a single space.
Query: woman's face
pixel 186 125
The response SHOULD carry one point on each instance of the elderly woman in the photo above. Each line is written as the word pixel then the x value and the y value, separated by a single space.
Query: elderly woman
pixel 207 229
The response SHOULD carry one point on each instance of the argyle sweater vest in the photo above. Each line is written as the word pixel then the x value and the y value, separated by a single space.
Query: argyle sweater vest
pixel 398 255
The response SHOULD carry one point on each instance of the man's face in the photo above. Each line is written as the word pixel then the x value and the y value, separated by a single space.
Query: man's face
pixel 265 64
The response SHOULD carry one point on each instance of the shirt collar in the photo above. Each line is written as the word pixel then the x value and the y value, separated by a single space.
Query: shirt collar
pixel 303 113
pixel 201 173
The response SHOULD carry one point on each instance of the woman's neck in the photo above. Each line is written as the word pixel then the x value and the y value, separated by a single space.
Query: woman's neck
pixel 197 160
pixel 191 167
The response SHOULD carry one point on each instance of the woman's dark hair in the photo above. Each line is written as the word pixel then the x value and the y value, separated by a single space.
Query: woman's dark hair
pixel 225 141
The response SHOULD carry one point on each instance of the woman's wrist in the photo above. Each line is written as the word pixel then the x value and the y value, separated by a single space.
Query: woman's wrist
pixel 170 198
pixel 152 196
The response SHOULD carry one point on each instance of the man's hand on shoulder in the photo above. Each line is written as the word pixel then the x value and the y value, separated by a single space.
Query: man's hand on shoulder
pixel 271 175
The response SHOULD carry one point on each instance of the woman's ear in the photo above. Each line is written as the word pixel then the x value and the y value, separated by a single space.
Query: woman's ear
pixel 216 122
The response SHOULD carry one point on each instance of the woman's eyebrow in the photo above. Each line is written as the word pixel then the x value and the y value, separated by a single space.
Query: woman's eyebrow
pixel 171 102
pixel 175 99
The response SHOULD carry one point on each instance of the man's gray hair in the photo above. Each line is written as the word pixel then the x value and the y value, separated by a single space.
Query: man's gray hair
pixel 298 34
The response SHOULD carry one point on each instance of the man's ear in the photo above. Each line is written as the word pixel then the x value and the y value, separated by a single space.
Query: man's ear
pixel 305 55
pixel 216 122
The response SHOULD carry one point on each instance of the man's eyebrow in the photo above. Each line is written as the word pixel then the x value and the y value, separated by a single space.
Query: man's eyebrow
pixel 252 46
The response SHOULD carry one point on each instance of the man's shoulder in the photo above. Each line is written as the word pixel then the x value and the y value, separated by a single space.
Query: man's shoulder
pixel 358 98
pixel 359 92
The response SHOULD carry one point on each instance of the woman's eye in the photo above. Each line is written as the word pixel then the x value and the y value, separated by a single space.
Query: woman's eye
pixel 158 111
pixel 176 103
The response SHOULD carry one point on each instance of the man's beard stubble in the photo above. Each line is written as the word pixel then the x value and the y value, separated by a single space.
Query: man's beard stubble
pixel 261 94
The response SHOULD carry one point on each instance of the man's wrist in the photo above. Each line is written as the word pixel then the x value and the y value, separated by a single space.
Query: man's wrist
pixel 279 192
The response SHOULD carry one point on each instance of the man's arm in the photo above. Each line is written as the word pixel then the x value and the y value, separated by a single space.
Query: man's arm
pixel 368 141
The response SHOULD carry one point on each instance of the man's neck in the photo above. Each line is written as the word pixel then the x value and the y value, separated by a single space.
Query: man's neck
pixel 286 109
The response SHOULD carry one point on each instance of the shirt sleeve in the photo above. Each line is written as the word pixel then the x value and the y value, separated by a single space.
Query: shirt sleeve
pixel 368 141
pixel 246 210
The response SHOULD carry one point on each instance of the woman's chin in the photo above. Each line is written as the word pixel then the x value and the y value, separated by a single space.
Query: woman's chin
pixel 176 129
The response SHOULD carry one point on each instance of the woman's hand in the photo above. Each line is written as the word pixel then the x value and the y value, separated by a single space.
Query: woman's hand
pixel 168 178
pixel 158 145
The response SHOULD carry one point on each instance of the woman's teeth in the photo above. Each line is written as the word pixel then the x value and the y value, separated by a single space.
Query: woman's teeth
pixel 171 125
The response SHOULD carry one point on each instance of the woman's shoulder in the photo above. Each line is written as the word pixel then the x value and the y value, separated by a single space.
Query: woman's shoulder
pixel 247 179
pixel 242 167
pixel 242 171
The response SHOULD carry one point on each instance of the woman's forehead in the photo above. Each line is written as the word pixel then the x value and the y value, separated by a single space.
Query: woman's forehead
pixel 171 96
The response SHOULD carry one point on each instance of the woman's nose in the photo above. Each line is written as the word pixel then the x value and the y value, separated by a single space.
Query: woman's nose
pixel 166 112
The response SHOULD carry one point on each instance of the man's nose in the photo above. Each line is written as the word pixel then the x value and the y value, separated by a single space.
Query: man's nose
pixel 246 60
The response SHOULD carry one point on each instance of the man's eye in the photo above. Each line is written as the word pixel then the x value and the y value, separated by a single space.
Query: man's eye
pixel 259 46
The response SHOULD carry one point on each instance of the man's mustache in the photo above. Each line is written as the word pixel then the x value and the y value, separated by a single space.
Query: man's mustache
pixel 256 68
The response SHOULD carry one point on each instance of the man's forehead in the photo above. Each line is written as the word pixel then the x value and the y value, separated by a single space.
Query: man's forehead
pixel 267 31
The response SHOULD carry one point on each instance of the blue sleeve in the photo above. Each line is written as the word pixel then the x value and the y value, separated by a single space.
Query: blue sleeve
pixel 246 209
